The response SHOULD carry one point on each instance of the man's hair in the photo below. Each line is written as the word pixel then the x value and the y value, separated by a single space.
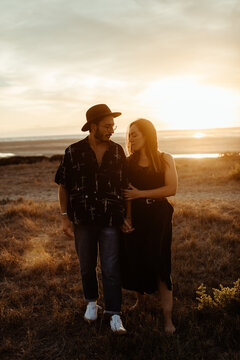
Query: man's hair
pixel 96 122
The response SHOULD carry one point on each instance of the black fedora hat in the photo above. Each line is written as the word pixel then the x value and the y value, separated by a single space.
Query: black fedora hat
pixel 96 113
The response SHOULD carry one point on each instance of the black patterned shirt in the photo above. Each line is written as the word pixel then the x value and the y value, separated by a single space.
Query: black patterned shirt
pixel 94 192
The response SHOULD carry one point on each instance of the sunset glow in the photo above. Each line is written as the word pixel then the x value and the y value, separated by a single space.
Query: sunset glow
pixel 185 103
pixel 198 135
pixel 175 63
pixel 196 156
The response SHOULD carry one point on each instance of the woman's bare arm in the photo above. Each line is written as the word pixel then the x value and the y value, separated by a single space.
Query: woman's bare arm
pixel 169 189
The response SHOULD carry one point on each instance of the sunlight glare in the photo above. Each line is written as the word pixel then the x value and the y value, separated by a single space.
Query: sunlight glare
pixel 199 135
pixel 196 156
pixel 184 103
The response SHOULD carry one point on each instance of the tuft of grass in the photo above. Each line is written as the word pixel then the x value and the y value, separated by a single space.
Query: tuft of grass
pixel 234 173
pixel 28 210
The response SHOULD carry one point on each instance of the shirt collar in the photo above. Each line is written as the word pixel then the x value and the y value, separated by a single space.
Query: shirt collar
pixel 112 144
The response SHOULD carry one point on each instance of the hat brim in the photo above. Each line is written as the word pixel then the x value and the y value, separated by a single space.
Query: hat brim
pixel 86 126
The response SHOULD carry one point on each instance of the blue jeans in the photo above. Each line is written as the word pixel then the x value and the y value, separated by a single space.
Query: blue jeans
pixel 87 239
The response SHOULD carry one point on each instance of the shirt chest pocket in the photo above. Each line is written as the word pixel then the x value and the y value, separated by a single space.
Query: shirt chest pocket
pixel 78 195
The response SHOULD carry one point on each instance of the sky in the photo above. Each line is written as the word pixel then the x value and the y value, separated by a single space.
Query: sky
pixel 174 62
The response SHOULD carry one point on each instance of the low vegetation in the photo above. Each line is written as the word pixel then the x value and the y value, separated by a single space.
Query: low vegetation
pixel 42 303
pixel 227 298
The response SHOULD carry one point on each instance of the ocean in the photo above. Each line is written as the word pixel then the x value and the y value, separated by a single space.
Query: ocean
pixel 180 143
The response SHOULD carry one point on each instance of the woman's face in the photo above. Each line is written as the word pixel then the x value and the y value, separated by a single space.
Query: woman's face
pixel 136 138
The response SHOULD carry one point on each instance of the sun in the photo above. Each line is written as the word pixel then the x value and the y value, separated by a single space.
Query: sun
pixel 199 135
pixel 186 103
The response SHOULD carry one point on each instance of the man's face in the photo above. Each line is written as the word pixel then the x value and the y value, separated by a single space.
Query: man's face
pixel 104 129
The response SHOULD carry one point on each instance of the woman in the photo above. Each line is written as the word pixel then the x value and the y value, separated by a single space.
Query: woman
pixel 148 224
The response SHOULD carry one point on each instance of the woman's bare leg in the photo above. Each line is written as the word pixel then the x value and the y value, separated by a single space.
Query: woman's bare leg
pixel 166 299
pixel 140 302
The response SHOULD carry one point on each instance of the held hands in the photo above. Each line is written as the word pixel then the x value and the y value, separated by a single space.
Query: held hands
pixel 132 193
pixel 127 226
pixel 67 227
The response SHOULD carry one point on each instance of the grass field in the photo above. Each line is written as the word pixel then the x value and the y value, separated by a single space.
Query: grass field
pixel 41 301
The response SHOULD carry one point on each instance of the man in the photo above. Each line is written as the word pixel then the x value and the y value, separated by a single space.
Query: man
pixel 91 178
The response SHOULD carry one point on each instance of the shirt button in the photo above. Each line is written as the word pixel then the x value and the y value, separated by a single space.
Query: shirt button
pixel 86 196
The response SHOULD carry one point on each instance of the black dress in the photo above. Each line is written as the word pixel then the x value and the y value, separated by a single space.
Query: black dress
pixel 146 252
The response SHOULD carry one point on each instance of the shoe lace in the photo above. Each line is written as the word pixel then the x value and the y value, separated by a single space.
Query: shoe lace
pixel 118 321
pixel 93 306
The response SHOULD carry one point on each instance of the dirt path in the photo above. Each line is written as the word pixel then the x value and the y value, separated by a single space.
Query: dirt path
pixel 198 181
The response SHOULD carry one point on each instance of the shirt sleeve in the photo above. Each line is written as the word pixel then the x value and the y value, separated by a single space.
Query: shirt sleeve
pixel 62 174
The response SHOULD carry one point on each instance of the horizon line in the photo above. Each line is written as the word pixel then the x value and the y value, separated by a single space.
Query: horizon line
pixel 81 133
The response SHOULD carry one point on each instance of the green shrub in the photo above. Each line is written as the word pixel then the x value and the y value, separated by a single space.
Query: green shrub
pixel 223 299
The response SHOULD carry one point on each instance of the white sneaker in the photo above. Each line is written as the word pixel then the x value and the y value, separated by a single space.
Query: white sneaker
pixel 117 326
pixel 91 312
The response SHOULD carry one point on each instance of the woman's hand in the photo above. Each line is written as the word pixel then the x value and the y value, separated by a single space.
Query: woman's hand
pixel 132 193
pixel 127 226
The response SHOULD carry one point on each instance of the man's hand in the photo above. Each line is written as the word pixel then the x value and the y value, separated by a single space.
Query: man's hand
pixel 67 226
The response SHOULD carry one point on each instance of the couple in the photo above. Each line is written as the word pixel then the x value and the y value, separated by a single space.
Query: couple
pixel 100 193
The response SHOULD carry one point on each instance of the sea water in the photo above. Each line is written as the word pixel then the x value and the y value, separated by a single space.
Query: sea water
pixel 180 143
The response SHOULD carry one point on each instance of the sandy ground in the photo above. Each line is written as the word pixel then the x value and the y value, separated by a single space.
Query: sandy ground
pixel 43 147
pixel 199 180
pixel 36 147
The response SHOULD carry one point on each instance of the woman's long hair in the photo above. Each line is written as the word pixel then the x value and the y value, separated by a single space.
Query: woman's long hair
pixel 155 158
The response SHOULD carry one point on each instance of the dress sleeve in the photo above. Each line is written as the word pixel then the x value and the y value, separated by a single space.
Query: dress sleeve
pixel 63 171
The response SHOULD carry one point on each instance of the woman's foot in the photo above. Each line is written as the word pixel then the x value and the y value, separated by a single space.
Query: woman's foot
pixel 140 303
pixel 137 306
pixel 167 303
pixel 134 307
pixel 169 328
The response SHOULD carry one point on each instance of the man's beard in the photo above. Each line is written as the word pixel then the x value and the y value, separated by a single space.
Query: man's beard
pixel 100 137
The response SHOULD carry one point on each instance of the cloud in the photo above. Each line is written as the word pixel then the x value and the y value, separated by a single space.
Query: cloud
pixel 58 53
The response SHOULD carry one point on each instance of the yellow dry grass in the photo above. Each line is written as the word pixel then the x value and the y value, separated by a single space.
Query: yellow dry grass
pixel 41 295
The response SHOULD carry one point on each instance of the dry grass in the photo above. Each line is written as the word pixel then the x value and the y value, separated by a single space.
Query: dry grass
pixel 41 299
pixel 235 172
pixel 41 295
